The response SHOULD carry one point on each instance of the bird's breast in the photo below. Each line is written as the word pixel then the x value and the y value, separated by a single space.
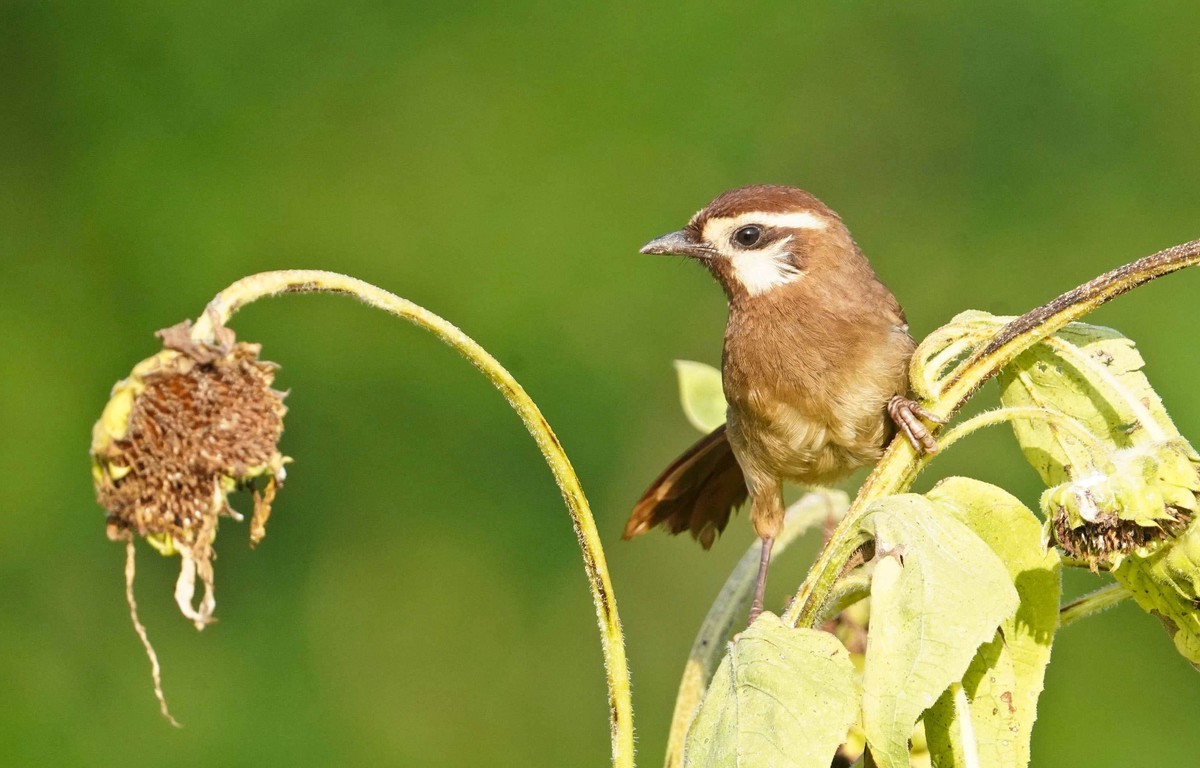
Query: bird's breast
pixel 802 441
pixel 813 409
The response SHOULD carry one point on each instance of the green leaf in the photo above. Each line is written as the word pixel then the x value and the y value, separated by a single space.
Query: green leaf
pixel 1134 482
pixel 996 704
pixel 944 350
pixel 782 697
pixel 728 611
pixel 939 592
pixel 1166 584
pixel 701 394
pixel 1094 375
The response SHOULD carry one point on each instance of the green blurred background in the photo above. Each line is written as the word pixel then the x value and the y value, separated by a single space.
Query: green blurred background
pixel 419 600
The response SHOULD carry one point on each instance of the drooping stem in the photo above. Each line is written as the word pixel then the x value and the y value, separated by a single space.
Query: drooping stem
pixel 900 463
pixel 254 287
pixel 1092 603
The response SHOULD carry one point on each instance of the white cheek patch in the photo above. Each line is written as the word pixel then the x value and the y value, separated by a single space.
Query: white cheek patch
pixel 760 270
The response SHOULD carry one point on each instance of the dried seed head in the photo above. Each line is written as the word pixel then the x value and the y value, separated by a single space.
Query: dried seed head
pixel 189 426
pixel 1104 543
pixel 1144 497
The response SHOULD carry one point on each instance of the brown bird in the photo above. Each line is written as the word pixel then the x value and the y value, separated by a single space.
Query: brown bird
pixel 814 366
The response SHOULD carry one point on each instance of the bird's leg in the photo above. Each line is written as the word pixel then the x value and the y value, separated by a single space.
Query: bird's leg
pixel 760 587
pixel 908 414
pixel 766 513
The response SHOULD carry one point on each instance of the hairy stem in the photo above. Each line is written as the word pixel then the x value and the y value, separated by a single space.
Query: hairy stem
pixel 1001 415
pixel 850 589
pixel 255 287
pixel 900 463
pixel 1040 323
pixel 1092 603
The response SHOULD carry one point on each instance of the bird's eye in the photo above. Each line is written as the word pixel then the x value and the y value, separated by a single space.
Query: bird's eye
pixel 747 236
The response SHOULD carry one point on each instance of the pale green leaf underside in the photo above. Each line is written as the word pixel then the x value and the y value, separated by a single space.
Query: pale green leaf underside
pixel 939 592
pixel 728 611
pixel 701 394
pixel 1094 375
pixel 1166 584
pixel 1004 680
pixel 781 698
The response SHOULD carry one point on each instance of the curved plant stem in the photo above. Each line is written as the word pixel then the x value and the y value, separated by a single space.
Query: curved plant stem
pixel 1042 322
pixel 254 287
pixel 1092 603
pixel 900 463
pixel 730 607
pixel 1001 415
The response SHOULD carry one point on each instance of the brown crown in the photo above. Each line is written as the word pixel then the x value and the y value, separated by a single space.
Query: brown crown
pixel 768 198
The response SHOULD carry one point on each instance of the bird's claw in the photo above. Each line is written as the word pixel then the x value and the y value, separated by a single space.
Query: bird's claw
pixel 908 415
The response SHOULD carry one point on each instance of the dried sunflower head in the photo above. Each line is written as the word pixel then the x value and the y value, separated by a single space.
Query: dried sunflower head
pixel 1143 496
pixel 186 428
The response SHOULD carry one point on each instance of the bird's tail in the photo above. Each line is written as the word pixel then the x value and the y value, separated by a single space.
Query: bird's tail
pixel 696 493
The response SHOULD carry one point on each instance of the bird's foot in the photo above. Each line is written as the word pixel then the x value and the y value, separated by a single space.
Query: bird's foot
pixel 908 415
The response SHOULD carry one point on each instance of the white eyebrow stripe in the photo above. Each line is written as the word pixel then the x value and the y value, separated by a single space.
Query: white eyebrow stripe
pixel 720 228
pixel 792 220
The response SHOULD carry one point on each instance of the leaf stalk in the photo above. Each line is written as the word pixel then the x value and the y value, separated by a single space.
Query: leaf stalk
pixel 1092 603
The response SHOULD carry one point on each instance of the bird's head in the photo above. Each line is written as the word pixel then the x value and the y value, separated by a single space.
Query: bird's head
pixel 760 238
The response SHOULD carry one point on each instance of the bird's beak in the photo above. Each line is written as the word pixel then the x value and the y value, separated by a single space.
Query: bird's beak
pixel 681 242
